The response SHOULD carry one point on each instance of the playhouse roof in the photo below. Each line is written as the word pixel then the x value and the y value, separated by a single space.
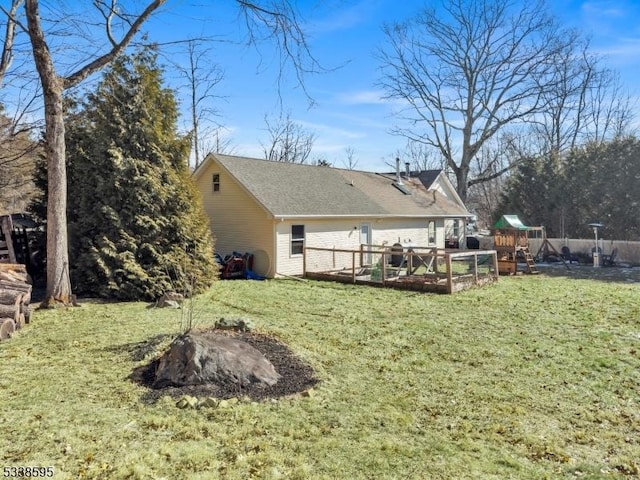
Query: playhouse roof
pixel 510 221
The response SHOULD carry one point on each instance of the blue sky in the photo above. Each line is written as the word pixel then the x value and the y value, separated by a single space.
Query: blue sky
pixel 344 35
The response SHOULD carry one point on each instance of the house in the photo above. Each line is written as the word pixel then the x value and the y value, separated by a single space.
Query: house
pixel 274 210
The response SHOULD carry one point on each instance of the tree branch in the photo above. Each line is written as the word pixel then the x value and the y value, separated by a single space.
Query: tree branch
pixel 9 38
pixel 118 47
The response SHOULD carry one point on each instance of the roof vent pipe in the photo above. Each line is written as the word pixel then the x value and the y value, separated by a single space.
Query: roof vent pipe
pixel 398 178
pixel 407 168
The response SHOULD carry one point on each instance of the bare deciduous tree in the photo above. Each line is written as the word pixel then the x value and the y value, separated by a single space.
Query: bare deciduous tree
pixel 612 109
pixel 351 162
pixel 217 142
pixel 587 105
pixel 276 21
pixel 421 157
pixel 202 77
pixel 468 71
pixel 19 151
pixel 288 141
pixel 53 86
pixel 9 37
pixel 17 162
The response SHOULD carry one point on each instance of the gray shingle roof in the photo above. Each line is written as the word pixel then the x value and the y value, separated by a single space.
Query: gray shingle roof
pixel 287 189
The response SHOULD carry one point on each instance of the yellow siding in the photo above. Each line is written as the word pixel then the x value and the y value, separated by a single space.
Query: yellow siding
pixel 240 224
pixel 237 221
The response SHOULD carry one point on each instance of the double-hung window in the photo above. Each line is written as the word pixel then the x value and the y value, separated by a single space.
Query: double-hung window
pixel 297 239
pixel 216 182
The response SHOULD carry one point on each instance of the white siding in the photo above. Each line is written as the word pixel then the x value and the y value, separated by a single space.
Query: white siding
pixel 450 231
pixel 407 232
pixel 345 234
pixel 445 188
pixel 318 233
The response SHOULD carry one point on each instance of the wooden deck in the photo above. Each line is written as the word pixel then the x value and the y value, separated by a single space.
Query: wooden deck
pixel 415 268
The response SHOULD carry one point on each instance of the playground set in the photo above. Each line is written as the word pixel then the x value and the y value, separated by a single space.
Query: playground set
pixel 511 242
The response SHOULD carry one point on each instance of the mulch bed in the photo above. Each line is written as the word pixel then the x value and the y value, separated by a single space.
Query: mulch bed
pixel 295 375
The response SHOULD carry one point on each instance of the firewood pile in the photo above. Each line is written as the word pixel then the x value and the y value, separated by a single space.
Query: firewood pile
pixel 15 297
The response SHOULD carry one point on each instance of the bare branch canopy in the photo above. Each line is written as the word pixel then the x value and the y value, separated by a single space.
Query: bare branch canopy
pixel 468 71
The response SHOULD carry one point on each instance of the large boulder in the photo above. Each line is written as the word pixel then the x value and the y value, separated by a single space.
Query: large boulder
pixel 201 358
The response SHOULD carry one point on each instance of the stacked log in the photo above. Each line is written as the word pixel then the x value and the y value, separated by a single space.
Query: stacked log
pixel 15 298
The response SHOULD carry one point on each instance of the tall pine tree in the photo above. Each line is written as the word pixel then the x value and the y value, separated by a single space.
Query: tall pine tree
pixel 596 182
pixel 136 224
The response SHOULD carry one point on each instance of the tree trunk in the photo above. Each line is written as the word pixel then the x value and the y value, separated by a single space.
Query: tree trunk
pixel 462 177
pixel 462 187
pixel 58 283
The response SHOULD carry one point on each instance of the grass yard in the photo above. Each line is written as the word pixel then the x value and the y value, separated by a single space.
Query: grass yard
pixel 533 377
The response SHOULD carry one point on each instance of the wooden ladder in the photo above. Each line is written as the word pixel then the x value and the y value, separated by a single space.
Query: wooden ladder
pixel 531 264
pixel 6 247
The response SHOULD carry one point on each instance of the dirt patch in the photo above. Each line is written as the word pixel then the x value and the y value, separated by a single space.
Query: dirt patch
pixel 295 375
pixel 618 273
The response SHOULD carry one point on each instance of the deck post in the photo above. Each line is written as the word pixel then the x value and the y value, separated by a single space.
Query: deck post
pixel 353 265
pixel 475 268
pixel 304 262
pixel 384 267
pixel 449 273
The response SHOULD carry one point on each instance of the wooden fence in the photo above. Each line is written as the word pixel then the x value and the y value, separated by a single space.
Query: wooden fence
pixel 628 252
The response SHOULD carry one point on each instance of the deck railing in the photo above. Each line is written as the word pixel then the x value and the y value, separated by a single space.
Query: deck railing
pixel 418 268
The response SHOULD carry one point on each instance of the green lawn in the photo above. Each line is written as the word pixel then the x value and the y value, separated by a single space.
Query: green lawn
pixel 533 377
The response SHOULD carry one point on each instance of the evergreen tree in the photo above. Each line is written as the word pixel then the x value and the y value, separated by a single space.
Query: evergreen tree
pixel 604 183
pixel 136 224
pixel 597 182
pixel 534 193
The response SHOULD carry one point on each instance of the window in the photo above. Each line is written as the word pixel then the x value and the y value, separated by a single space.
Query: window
pixel 456 228
pixel 431 229
pixel 365 239
pixel 365 233
pixel 297 239
pixel 216 182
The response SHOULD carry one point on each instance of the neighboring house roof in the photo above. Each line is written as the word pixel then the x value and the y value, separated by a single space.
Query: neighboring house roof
pixel 295 190
pixel 427 177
